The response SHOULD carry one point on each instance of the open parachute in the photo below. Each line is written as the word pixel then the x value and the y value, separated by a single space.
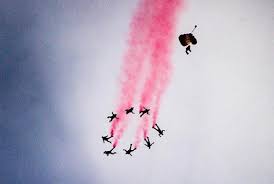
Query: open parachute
pixel 187 39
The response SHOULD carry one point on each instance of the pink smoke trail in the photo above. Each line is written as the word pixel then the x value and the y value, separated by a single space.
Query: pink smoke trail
pixel 132 66
pixel 166 67
pixel 162 32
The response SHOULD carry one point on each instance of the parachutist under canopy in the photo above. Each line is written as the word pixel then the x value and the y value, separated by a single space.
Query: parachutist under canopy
pixel 187 39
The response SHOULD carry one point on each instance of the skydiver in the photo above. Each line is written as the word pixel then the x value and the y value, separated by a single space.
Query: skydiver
pixel 145 111
pixel 130 110
pixel 148 144
pixel 109 152
pixel 106 138
pixel 128 152
pixel 161 132
pixel 187 39
pixel 112 117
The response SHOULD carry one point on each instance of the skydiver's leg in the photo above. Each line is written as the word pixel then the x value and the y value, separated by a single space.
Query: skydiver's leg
pixel 155 129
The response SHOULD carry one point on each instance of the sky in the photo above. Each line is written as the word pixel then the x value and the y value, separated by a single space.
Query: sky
pixel 59 67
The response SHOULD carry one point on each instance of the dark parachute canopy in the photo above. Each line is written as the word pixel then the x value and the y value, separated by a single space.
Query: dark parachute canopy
pixel 186 39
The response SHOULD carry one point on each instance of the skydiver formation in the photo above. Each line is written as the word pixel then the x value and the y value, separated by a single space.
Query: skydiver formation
pixel 143 111
pixel 186 40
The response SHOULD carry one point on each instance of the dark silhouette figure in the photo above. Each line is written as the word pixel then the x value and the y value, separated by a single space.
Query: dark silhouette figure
pixel 106 138
pixel 161 132
pixel 187 39
pixel 145 111
pixel 148 144
pixel 128 152
pixel 188 49
pixel 130 110
pixel 112 117
pixel 109 152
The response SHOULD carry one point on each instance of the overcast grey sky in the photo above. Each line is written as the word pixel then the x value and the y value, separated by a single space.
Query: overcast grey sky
pixel 59 67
